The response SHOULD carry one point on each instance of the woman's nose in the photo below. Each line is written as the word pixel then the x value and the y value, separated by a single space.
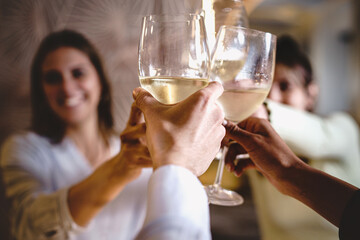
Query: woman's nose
pixel 275 94
pixel 68 85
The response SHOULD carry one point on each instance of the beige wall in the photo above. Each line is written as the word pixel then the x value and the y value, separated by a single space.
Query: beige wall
pixel 113 25
pixel 329 31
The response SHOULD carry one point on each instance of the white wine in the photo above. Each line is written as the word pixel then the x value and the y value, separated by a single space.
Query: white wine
pixel 240 104
pixel 170 90
pixel 226 71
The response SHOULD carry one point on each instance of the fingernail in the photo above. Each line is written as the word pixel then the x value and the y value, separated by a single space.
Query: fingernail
pixel 135 92
pixel 228 167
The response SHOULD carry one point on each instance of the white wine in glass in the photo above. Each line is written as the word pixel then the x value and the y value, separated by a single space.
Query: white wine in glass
pixel 243 62
pixel 240 104
pixel 171 90
pixel 174 58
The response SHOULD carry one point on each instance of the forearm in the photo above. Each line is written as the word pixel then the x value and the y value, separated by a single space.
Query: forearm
pixel 89 196
pixel 323 193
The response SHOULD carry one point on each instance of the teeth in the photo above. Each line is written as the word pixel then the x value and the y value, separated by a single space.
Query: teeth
pixel 73 101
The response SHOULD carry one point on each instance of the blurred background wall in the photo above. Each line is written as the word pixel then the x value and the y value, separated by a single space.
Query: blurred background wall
pixel 328 29
pixel 329 32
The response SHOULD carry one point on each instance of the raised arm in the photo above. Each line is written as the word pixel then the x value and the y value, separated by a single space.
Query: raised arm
pixel 41 208
pixel 270 155
pixel 89 196
pixel 183 139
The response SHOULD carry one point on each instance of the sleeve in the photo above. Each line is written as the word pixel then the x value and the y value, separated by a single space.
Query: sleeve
pixel 177 206
pixel 312 136
pixel 350 221
pixel 36 212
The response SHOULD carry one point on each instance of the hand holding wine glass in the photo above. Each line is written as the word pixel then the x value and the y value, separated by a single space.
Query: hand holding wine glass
pixel 186 134
pixel 243 62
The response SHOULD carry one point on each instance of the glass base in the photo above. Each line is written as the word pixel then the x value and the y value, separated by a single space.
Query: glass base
pixel 220 196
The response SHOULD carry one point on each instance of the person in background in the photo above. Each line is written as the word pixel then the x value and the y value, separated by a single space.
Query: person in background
pixel 180 210
pixel 335 200
pixel 330 144
pixel 69 177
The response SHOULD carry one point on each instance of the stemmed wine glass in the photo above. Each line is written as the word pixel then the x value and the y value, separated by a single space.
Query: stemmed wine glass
pixel 174 59
pixel 243 62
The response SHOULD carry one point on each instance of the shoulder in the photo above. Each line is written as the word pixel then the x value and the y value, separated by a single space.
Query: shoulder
pixel 344 121
pixel 343 117
pixel 25 138
pixel 23 146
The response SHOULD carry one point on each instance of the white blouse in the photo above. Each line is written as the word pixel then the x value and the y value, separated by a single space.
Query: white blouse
pixel 37 175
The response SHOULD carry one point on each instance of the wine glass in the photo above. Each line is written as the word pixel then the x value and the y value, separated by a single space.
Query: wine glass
pixel 223 12
pixel 174 59
pixel 243 62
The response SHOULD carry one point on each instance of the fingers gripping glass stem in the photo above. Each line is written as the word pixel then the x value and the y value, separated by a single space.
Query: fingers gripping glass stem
pixel 218 195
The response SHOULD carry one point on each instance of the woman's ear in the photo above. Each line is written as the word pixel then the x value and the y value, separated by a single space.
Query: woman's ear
pixel 313 92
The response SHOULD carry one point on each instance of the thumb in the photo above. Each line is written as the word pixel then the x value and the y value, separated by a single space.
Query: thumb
pixel 135 115
pixel 236 133
pixel 143 99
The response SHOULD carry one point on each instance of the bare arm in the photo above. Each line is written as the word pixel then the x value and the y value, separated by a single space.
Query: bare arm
pixel 270 155
pixel 89 196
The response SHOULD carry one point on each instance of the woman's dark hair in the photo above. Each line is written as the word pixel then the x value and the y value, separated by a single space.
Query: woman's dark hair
pixel 44 121
pixel 289 53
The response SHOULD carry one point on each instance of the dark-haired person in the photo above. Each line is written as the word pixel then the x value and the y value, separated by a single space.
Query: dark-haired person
pixel 180 210
pixel 330 144
pixel 335 200
pixel 68 177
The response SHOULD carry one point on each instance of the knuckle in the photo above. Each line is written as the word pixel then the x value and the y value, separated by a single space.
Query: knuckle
pixel 123 135
pixel 203 97
pixel 133 105
pixel 263 122
pixel 140 100
pixel 232 129
pixel 143 128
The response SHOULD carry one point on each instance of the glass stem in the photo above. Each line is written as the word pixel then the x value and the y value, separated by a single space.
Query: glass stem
pixel 220 168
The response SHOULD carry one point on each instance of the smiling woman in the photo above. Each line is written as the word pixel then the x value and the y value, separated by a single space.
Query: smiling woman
pixel 58 63
pixel 66 177
pixel 71 85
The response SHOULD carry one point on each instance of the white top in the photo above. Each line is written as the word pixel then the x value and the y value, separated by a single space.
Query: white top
pixel 37 175
pixel 177 207
pixel 330 144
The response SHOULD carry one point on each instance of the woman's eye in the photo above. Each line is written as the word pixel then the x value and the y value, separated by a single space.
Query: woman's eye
pixel 77 73
pixel 284 86
pixel 52 78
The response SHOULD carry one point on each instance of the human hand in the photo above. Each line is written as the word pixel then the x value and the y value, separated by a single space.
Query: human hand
pixel 268 152
pixel 188 133
pixel 134 154
pixel 263 113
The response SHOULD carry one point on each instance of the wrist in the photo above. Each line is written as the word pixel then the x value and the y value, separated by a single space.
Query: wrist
pixel 290 174
pixel 105 184
pixel 170 159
